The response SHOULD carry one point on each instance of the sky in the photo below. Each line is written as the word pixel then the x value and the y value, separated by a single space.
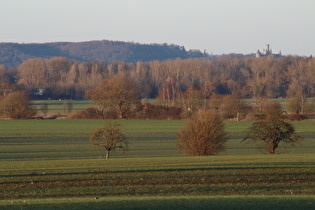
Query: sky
pixel 217 26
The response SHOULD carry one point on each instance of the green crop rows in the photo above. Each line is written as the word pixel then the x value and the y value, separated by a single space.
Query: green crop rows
pixel 50 164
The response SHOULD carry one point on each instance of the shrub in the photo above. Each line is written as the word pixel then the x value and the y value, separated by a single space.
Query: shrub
pixel 17 105
pixel 203 134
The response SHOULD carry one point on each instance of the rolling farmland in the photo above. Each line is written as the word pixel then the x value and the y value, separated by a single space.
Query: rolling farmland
pixel 50 164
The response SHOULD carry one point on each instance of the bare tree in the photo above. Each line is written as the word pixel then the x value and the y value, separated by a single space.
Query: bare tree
pixel 118 94
pixel 18 106
pixel 203 134
pixel 233 107
pixel 191 101
pixel 169 92
pixel 44 108
pixel 300 107
pixel 67 107
pixel 301 79
pixel 109 138
pixel 32 74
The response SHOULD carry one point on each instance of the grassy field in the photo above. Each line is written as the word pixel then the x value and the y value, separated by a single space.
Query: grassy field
pixel 59 106
pixel 171 181
pixel 49 164
pixel 68 139
pixel 171 202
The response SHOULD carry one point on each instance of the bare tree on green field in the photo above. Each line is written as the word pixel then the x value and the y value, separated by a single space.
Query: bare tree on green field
pixel 67 107
pixel 109 138
pixel 44 108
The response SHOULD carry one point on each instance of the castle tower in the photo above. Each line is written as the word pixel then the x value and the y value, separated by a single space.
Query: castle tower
pixel 267 52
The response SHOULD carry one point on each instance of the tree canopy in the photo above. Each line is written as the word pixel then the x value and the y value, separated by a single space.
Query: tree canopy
pixel 272 129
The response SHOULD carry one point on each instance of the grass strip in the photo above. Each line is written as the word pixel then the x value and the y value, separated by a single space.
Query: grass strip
pixel 161 202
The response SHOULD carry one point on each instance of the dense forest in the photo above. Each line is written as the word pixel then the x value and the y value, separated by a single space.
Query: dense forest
pixel 13 54
pixel 267 77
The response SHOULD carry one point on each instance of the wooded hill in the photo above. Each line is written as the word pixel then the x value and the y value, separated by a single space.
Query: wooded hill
pixel 13 54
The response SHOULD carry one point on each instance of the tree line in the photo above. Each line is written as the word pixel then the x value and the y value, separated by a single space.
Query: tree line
pixel 204 133
pixel 267 77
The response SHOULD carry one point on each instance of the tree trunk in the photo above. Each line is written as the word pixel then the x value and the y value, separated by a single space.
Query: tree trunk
pixel 120 111
pixel 272 148
pixel 302 105
pixel 107 154
pixel 120 115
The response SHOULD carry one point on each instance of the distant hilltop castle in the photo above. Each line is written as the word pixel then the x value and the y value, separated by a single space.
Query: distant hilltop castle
pixel 266 52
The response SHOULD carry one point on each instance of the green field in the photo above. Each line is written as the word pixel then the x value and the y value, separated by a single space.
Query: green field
pixel 68 139
pixel 170 202
pixel 59 106
pixel 49 164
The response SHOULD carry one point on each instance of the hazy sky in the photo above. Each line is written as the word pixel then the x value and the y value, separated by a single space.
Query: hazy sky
pixel 219 26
